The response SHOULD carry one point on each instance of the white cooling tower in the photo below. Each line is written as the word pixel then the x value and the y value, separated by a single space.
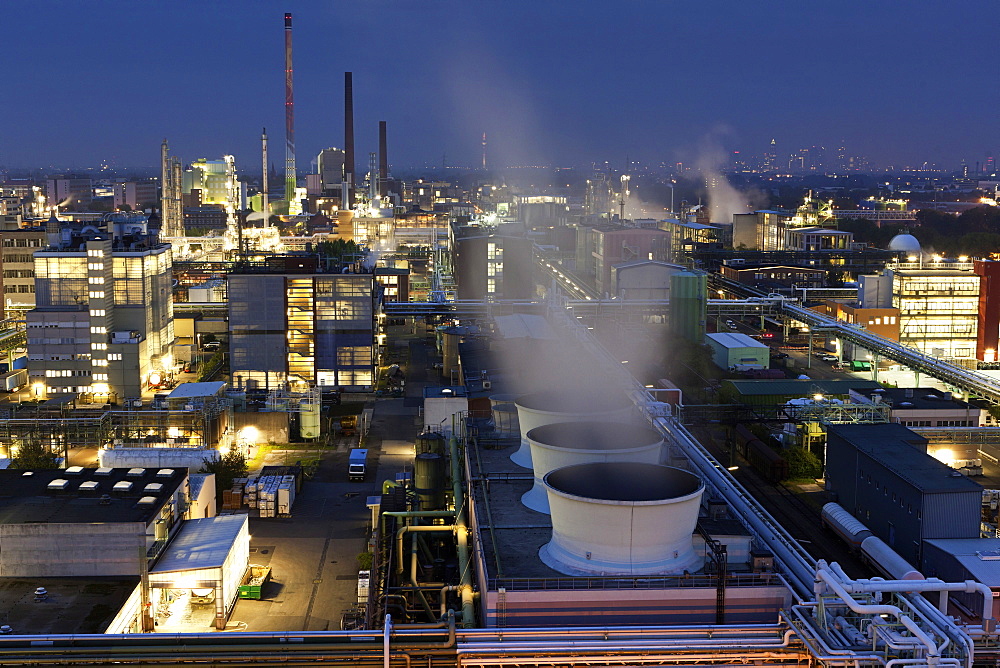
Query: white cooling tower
pixel 505 420
pixel 562 444
pixel 502 399
pixel 622 518
pixel 542 408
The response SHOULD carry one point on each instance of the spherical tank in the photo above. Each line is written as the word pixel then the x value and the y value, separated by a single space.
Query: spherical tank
pixel 622 518
pixel 308 419
pixel 562 444
pixel 428 479
pixel 542 408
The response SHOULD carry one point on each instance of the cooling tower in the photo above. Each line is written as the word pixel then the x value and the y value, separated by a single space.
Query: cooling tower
pixel 542 408
pixel 505 420
pixel 622 518
pixel 554 446
pixel 502 399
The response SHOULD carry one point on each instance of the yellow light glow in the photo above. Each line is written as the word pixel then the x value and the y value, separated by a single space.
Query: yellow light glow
pixel 250 434
pixel 101 388
pixel 173 432
pixel 817 397
pixel 945 455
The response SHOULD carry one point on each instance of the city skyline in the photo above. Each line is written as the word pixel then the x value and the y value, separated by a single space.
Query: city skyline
pixel 550 84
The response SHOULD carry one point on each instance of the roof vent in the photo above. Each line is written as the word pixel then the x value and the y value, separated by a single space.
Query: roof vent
pixel 104 470
pixel 906 404
pixel 931 397
pixel 105 500
pixel 135 473
pixel 122 486
pixel 153 488
pixel 58 483
pixel 165 473
pixel 74 470
pixel 27 473
pixel 147 500
pixel 89 486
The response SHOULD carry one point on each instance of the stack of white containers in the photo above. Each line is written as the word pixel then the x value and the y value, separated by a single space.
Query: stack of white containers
pixel 250 491
pixel 272 495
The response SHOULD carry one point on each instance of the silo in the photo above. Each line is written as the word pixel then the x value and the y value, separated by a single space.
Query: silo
pixel 572 405
pixel 430 441
pixel 622 518
pixel 308 419
pixel 429 481
pixel 554 446
pixel 689 304
pixel 450 338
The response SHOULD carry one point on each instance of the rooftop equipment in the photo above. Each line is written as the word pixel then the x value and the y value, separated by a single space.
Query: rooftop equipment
pixel 542 408
pixel 622 518
pixel 557 445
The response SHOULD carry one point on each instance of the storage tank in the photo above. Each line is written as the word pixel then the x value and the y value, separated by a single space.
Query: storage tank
pixel 308 419
pixel 688 304
pixel 574 405
pixel 430 441
pixel 622 518
pixel 428 479
pixel 562 444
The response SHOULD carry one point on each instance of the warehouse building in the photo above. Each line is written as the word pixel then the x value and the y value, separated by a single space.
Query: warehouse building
pixel 882 474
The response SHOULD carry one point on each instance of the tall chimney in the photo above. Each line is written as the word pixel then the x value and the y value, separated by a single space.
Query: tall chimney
pixel 383 163
pixel 166 191
pixel 289 116
pixel 264 205
pixel 349 138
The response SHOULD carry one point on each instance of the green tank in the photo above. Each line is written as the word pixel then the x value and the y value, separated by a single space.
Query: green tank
pixel 689 304
pixel 429 480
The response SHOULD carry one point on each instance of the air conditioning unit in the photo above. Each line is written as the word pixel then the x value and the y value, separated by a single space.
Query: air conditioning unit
pixel 487 385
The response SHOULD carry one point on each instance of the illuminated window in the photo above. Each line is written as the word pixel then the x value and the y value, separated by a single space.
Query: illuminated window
pixel 98 346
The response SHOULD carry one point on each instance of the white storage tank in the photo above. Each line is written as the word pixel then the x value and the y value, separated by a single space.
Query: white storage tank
pixel 622 518
pixel 562 444
pixel 572 405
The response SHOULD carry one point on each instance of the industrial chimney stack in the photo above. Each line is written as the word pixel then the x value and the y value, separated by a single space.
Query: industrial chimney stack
pixel 349 139
pixel 289 116
pixel 383 163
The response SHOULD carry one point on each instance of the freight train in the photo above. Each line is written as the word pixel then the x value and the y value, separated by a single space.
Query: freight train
pixel 765 460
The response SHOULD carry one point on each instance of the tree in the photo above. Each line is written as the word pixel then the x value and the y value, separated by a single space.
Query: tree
pixel 227 468
pixel 33 455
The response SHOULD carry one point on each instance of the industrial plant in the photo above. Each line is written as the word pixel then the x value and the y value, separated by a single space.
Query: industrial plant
pixel 345 416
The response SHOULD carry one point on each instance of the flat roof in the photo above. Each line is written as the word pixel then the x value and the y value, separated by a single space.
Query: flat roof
pixel 735 340
pixel 74 605
pixel 801 388
pixel 898 449
pixel 28 499
pixel 979 556
pixel 924 398
pixel 197 390
pixel 201 544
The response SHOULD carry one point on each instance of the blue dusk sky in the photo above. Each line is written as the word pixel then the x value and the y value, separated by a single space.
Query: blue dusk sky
pixel 550 82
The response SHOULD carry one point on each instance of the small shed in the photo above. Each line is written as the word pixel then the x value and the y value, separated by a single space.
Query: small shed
pixel 731 349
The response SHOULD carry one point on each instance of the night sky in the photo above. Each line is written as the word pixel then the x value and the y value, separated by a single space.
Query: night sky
pixel 551 82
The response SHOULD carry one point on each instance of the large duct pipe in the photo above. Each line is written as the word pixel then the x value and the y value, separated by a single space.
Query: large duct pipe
pixel 289 115
pixel 349 139
pixel 383 162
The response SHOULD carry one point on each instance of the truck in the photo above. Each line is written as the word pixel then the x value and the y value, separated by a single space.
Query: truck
pixel 254 582
pixel 356 464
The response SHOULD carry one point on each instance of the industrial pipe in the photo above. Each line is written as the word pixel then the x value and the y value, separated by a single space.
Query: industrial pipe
pixel 464 558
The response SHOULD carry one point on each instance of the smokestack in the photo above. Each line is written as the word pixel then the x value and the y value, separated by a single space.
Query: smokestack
pixel 289 116
pixel 264 208
pixel 484 151
pixel 165 190
pixel 349 138
pixel 383 162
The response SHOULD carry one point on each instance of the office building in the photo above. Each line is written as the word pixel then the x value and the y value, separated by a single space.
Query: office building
pixel 102 324
pixel 17 266
pixel 298 321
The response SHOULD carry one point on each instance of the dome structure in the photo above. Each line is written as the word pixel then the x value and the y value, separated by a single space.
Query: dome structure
pixel 906 243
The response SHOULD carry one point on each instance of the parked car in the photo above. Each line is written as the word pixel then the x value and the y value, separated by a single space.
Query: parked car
pixel 212 345
pixel 827 357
